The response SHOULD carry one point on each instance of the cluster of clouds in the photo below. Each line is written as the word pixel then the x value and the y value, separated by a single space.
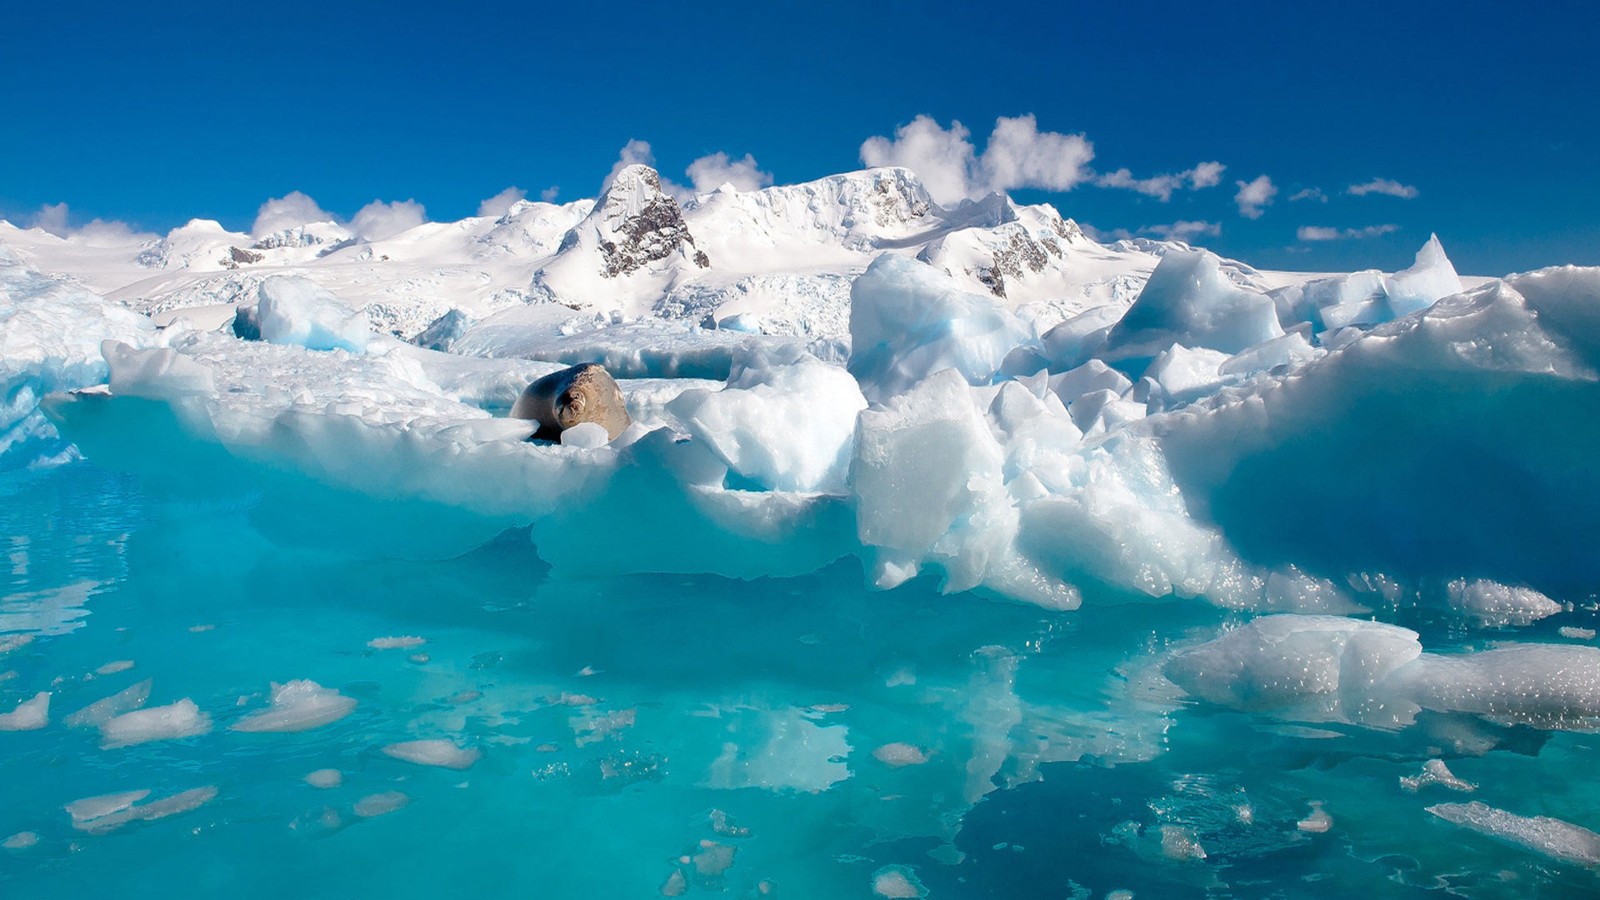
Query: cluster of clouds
pixel 374 222
pixel 1016 155
pixel 705 174
pixel 55 218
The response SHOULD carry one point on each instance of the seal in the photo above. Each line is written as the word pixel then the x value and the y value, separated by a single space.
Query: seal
pixel 583 393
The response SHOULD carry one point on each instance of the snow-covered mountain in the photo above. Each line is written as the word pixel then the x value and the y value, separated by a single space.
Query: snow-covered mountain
pixel 778 260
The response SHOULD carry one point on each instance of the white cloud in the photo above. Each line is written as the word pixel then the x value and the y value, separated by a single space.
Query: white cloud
pixel 54 218
pixel 1310 193
pixel 1017 155
pixel 637 152
pixel 1310 233
pixel 378 220
pixel 1386 186
pixel 289 211
pixel 1255 196
pixel 501 203
pixel 1204 175
pixel 711 172
pixel 634 152
pixel 1021 156
pixel 945 160
pixel 1185 231
pixel 1182 230
pixel 550 193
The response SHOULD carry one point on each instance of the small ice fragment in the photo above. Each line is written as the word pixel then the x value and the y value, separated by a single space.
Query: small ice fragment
pixel 112 668
pixel 108 812
pixel 722 824
pixel 10 642
pixel 102 711
pixel 1318 822
pixel 897 883
pixel 401 642
pixel 1550 837
pixel 101 805
pixel 901 677
pixel 325 778
pixel 1245 814
pixel 1576 633
pixel 198 629
pixel 1178 842
pixel 22 840
pixel 1123 894
pixel 374 805
pixel 419 659
pixel 30 715
pixel 1434 771
pixel 438 752
pixel 897 754
pixel 676 885
pixel 299 705
pixel 158 723
pixel 585 436
pixel 713 859
pixel 587 672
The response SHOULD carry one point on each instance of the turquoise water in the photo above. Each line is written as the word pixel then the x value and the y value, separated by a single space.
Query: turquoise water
pixel 633 728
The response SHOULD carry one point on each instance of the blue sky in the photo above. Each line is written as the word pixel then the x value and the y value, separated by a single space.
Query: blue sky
pixel 1475 120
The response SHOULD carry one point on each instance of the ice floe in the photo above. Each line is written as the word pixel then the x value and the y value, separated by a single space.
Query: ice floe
pixel 299 705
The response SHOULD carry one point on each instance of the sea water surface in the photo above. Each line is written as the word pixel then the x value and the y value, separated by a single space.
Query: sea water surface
pixel 695 736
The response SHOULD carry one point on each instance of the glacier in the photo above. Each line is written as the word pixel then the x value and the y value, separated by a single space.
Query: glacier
pixel 950 553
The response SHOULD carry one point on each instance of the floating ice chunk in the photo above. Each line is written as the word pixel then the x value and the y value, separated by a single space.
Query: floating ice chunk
pixel 30 715
pixel 115 666
pixel 22 840
pixel 404 642
pixel 1494 604
pixel 98 815
pixel 1291 351
pixel 156 373
pixel 1189 300
pixel 325 778
pixel 908 320
pixel 158 723
pixel 1098 412
pixel 585 436
pixel 1430 278
pixel 295 310
pixel 101 805
pixel 299 705
pixel 51 330
pixel 1093 375
pixel 381 804
pixel 676 885
pixel 897 883
pixel 1321 666
pixel 713 859
pixel 897 755
pixel 439 752
pixel 1434 771
pixel 1553 838
pixel 1184 373
pixel 785 422
pixel 1070 344
pixel 102 711
pixel 1576 633
pixel 13 642
pixel 1317 821
pixel 1179 842
pixel 1550 685
pixel 783 751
